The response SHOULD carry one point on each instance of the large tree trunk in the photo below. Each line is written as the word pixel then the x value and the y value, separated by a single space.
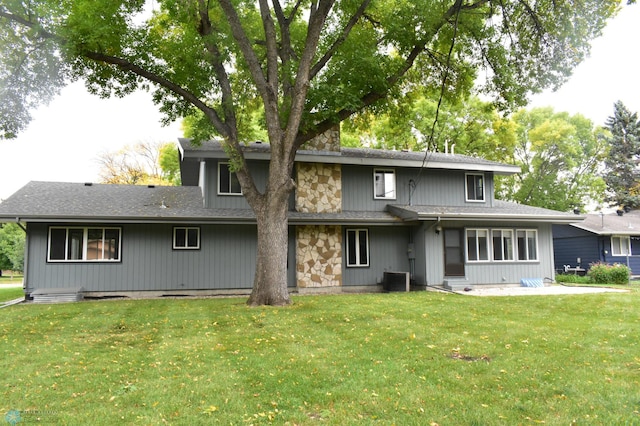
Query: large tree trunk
pixel 270 282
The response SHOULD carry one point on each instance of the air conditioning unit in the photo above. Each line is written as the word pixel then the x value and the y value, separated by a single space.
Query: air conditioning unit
pixel 396 281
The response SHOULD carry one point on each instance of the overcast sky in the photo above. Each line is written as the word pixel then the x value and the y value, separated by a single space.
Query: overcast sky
pixel 65 138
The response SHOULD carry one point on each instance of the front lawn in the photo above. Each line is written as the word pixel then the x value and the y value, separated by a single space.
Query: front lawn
pixel 405 359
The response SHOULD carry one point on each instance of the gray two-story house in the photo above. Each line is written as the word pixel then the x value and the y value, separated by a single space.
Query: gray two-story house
pixel 355 214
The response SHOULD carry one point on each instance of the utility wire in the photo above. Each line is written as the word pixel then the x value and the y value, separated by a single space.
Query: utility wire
pixel 430 139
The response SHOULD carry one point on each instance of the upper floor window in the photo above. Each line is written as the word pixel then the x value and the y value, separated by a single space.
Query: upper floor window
pixel 475 187
pixel 384 184
pixel 78 244
pixel 186 238
pixel 620 246
pixel 228 183
pixel 357 247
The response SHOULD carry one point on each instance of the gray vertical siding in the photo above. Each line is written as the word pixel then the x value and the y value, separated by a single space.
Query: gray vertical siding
pixel 442 187
pixel 259 171
pixel 226 260
pixel 387 252
pixel 491 272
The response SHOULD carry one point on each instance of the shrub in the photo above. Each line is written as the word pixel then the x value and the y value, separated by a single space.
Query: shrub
pixel 573 279
pixel 602 273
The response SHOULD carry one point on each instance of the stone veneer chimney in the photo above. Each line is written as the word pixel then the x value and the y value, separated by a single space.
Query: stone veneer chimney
pixel 319 190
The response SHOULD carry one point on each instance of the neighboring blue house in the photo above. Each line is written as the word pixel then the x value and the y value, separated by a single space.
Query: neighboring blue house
pixel 609 238
pixel 355 215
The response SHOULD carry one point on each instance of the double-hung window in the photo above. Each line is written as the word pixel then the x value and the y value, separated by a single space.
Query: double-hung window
pixel 186 238
pixel 384 184
pixel 475 187
pixel 620 246
pixel 502 240
pixel 477 245
pixel 79 244
pixel 527 244
pixel 357 247
pixel 501 245
pixel 228 183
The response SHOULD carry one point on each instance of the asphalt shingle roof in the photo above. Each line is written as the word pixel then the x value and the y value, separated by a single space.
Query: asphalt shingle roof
pixel 432 160
pixel 500 210
pixel 612 224
pixel 78 202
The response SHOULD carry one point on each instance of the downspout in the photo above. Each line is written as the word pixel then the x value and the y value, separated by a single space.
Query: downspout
pixel 26 257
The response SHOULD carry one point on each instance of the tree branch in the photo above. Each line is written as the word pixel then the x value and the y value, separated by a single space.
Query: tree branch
pixel 341 39
pixel 125 65
pixel 373 97
pixel 317 19
pixel 268 93
pixel 205 29
pixel 271 44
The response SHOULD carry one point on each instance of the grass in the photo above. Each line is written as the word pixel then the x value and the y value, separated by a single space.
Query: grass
pixel 10 293
pixel 405 359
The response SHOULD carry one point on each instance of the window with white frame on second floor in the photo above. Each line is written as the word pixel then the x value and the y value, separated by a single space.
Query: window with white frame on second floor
pixel 474 186
pixel 620 245
pixel 228 183
pixel 384 184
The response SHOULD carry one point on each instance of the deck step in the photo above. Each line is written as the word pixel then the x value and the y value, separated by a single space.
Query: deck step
pixel 58 295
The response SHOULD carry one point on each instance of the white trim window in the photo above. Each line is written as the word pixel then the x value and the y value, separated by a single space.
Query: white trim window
pixel 357 247
pixel 80 244
pixel 502 241
pixel 620 245
pixel 228 183
pixel 527 244
pixel 384 184
pixel 186 238
pixel 474 187
pixel 477 245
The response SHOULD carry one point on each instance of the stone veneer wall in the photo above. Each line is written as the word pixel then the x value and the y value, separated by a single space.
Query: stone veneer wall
pixel 327 141
pixel 319 256
pixel 319 188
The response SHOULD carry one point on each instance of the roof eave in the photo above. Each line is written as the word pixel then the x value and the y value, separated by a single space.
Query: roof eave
pixel 308 156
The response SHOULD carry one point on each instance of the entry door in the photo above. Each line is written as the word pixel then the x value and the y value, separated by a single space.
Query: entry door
pixel 453 253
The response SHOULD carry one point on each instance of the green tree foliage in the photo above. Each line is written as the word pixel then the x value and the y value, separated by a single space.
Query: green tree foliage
pixel 469 126
pixel 306 65
pixel 12 240
pixel 169 162
pixel 559 156
pixel 144 163
pixel 622 175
